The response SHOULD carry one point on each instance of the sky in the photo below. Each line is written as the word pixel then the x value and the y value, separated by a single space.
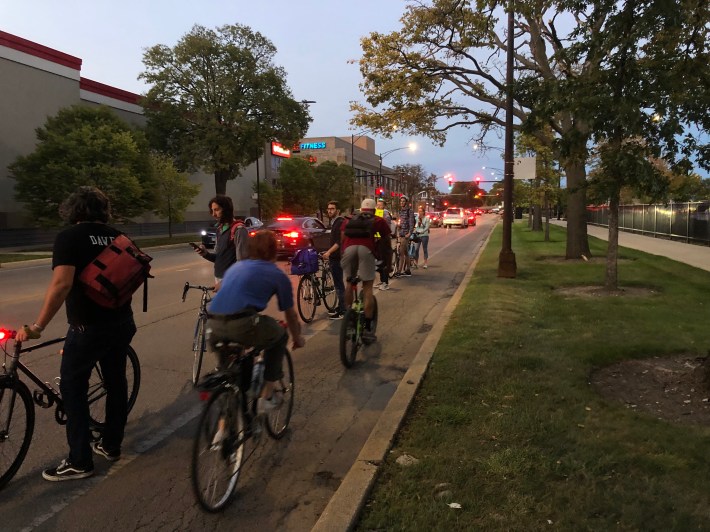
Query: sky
pixel 315 40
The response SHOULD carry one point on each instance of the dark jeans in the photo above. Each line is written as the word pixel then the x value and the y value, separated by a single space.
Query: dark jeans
pixel 83 348
pixel 337 270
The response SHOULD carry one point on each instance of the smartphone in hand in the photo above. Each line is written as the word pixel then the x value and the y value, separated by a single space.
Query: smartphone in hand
pixel 194 246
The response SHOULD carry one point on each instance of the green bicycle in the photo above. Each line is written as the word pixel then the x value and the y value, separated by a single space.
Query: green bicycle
pixel 353 325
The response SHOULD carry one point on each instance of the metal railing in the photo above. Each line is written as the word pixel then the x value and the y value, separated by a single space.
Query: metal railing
pixel 689 221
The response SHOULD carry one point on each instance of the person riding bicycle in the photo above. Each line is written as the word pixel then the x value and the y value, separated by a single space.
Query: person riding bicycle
pixel 232 238
pixel 96 334
pixel 359 249
pixel 234 313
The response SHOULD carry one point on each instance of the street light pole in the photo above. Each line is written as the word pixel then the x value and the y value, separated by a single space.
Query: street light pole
pixel 506 260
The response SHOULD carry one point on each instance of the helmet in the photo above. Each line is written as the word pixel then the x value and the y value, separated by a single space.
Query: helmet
pixel 404 197
pixel 368 204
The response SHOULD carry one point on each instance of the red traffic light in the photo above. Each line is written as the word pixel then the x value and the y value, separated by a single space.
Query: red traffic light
pixel 478 179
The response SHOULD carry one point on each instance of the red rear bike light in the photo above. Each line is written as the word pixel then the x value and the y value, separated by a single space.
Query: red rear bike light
pixel 204 396
pixel 5 334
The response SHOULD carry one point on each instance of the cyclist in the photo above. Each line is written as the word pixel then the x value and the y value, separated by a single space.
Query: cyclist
pixel 234 313
pixel 95 334
pixel 232 238
pixel 333 258
pixel 404 231
pixel 359 248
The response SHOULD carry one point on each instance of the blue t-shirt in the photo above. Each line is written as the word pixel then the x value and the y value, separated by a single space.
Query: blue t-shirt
pixel 250 284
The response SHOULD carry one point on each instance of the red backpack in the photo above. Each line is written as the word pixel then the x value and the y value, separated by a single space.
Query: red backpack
pixel 112 277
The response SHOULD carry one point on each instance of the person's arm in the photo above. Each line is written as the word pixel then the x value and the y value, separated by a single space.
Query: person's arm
pixel 331 249
pixel 57 292
pixel 294 327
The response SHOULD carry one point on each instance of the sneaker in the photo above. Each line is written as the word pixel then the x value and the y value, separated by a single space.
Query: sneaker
pixel 368 337
pixel 395 275
pixel 264 405
pixel 336 315
pixel 408 273
pixel 384 286
pixel 98 448
pixel 425 266
pixel 66 471
pixel 377 285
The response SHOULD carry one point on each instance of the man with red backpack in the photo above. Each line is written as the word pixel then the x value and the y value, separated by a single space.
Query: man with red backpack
pixel 232 238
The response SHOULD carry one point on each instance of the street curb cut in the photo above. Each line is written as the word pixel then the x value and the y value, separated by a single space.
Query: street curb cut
pixel 348 500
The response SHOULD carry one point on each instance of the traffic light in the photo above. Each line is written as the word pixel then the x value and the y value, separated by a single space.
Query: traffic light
pixel 478 180
pixel 451 183
pixel 380 192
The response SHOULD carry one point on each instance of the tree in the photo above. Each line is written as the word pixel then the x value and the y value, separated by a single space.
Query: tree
pixel 298 186
pixel 415 179
pixel 334 182
pixel 84 145
pixel 217 98
pixel 172 190
pixel 270 200
pixel 442 70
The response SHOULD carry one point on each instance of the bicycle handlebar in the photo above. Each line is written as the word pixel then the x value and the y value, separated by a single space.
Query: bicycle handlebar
pixel 189 286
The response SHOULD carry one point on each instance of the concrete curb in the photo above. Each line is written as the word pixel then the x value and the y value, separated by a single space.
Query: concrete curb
pixel 345 505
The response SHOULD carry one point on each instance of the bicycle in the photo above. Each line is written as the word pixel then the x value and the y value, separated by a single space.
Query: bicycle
pixel 198 341
pixel 17 415
pixel 353 324
pixel 314 288
pixel 230 420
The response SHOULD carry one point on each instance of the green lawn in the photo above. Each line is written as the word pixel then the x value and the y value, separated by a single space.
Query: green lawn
pixel 507 422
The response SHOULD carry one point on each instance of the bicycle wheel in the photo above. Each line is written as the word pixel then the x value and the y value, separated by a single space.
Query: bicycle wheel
pixel 330 296
pixel 97 390
pixel 198 348
pixel 277 420
pixel 307 299
pixel 218 450
pixel 17 414
pixel 349 338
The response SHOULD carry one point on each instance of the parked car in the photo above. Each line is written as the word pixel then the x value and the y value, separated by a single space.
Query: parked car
pixel 209 236
pixel 296 232
pixel 455 216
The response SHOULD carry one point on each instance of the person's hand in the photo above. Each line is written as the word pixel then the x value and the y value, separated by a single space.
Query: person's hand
pixel 27 333
pixel 326 255
pixel 299 341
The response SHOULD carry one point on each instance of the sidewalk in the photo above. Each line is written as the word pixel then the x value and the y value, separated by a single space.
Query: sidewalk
pixel 692 254
pixel 342 511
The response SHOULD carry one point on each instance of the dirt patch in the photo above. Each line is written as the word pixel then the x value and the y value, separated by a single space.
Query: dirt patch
pixel 669 388
pixel 600 291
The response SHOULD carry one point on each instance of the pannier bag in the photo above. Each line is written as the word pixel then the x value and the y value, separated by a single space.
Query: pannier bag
pixel 112 277
pixel 304 261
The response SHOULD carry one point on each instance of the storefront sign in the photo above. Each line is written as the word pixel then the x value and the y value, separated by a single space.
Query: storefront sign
pixel 279 151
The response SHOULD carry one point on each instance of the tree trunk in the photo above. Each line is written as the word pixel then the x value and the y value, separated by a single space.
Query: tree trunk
pixel 220 182
pixel 547 216
pixel 611 282
pixel 577 243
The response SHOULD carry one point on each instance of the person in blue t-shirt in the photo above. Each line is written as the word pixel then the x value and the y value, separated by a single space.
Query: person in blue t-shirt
pixel 246 289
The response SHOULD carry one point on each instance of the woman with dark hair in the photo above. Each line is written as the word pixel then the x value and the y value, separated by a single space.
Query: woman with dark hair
pixel 96 334
pixel 232 238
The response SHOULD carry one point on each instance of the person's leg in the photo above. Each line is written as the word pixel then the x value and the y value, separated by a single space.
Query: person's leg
pixel 337 270
pixel 113 366
pixel 78 359
pixel 425 246
pixel 349 265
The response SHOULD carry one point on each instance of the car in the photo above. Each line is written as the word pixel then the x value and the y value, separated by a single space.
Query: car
pixel 471 217
pixel 455 216
pixel 297 232
pixel 209 236
pixel 435 218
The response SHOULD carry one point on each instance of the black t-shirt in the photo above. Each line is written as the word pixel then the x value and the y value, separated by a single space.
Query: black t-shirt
pixel 77 246
pixel 335 236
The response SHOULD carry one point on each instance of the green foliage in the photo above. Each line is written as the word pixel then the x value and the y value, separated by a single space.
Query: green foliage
pixel 217 98
pixel 84 145
pixel 270 200
pixel 507 417
pixel 172 190
pixel 334 182
pixel 299 186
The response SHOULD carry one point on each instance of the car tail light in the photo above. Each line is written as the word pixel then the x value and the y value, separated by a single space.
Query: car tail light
pixel 252 233
pixel 284 218
pixel 292 234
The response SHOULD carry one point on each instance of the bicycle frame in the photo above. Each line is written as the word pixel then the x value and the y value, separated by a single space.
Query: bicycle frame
pixel 47 396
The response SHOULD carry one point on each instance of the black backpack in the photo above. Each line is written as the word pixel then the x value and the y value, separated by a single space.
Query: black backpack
pixel 360 226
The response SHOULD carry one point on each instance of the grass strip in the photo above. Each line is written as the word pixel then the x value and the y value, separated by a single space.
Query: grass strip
pixel 507 425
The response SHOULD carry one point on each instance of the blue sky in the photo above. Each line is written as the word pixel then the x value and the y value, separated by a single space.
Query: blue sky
pixel 315 40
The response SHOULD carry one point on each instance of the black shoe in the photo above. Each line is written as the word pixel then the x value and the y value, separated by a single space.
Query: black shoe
pixel 66 471
pixel 368 337
pixel 408 273
pixel 111 456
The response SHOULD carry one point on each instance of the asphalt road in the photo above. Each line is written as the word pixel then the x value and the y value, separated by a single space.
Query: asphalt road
pixel 285 484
